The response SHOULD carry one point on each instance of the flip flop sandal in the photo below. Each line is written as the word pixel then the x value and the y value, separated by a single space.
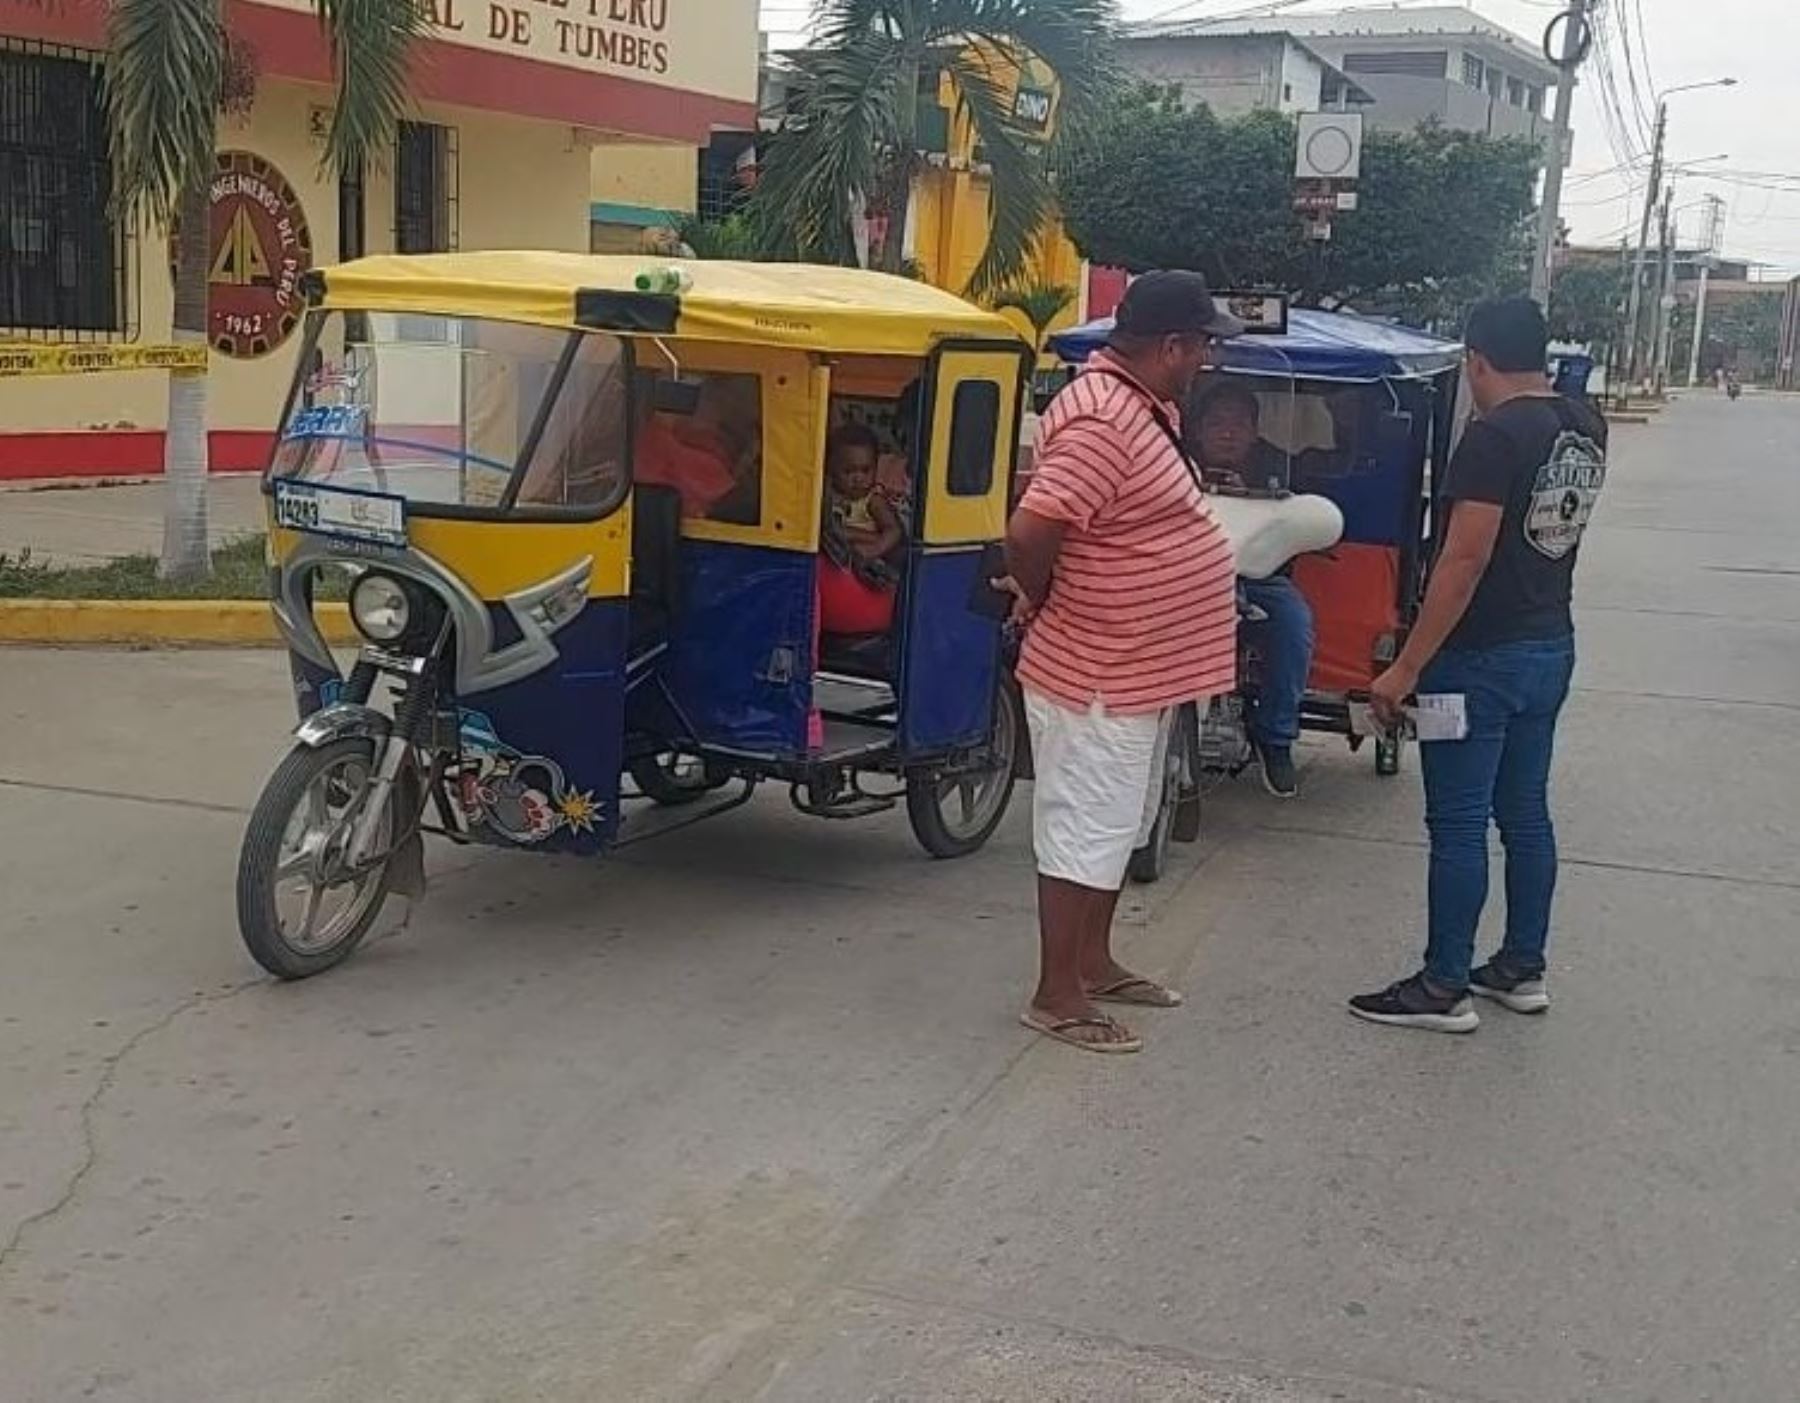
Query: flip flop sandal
pixel 1145 993
pixel 1059 1029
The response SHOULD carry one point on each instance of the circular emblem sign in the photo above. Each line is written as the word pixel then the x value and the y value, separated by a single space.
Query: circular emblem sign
pixel 260 246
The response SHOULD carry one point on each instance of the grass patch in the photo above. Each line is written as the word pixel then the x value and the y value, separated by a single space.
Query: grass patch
pixel 239 572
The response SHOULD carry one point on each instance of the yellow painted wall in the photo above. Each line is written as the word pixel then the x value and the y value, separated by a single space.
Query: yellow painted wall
pixel 951 211
pixel 655 175
pixel 522 184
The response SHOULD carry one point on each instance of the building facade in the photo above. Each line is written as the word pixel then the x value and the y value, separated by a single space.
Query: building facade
pixel 1235 72
pixel 517 111
pixel 1443 63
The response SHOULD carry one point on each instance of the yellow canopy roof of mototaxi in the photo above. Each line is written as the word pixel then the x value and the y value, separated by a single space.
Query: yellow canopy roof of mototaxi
pixel 801 306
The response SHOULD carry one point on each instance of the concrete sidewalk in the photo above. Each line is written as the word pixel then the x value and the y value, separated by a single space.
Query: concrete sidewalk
pixel 88 525
pixel 744 1114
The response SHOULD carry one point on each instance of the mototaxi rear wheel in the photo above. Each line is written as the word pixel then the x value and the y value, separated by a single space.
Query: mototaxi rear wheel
pixel 954 812
pixel 672 780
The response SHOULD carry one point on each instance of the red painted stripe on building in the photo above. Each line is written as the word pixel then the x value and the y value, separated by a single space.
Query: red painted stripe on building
pixel 288 45
pixel 121 453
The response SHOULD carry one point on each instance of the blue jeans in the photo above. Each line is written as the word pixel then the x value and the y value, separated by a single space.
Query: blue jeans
pixel 1513 692
pixel 1284 642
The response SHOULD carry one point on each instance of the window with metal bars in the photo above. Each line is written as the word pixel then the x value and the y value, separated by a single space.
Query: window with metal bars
pixel 62 257
pixel 425 189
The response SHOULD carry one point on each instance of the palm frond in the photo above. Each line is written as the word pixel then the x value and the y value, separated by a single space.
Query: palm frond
pixel 851 131
pixel 829 151
pixel 1076 39
pixel 164 75
pixel 371 44
pixel 1039 303
pixel 1020 201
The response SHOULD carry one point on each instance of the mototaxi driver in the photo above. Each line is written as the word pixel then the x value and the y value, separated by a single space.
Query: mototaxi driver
pixel 1228 443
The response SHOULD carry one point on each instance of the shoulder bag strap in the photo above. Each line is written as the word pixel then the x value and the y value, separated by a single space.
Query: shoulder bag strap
pixel 1162 420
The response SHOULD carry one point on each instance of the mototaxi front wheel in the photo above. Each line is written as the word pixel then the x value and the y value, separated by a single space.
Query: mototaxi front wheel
pixel 301 907
pixel 954 812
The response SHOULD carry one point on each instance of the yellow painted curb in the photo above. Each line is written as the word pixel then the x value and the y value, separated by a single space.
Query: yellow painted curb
pixel 157 623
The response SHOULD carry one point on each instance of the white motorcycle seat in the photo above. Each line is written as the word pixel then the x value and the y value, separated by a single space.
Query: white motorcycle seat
pixel 1268 532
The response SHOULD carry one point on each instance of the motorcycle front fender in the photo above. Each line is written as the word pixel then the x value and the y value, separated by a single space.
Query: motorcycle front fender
pixel 340 721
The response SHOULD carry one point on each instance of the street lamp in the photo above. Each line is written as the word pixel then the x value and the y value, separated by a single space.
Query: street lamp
pixel 1668 93
pixel 1633 363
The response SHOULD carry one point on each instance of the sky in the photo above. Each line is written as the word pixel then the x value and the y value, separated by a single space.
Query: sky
pixel 1662 44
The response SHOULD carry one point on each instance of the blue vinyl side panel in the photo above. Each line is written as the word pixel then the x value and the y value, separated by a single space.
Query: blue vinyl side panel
pixel 542 756
pixel 951 663
pixel 741 658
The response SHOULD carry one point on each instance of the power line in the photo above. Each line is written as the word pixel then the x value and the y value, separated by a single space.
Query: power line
pixel 1639 110
pixel 1612 117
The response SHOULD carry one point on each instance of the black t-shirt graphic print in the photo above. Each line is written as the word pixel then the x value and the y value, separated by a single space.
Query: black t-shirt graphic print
pixel 1542 459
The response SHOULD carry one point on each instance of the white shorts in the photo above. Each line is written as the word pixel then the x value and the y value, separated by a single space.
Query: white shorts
pixel 1098 788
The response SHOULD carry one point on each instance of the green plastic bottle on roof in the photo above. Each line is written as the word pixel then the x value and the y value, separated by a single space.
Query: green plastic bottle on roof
pixel 668 282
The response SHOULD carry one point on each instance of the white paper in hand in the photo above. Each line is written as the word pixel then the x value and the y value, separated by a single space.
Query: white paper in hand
pixel 1440 716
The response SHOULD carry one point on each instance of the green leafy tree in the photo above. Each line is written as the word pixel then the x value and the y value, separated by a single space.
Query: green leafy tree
pixel 172 68
pixel 1587 300
pixel 1442 215
pixel 734 236
pixel 1742 333
pixel 850 138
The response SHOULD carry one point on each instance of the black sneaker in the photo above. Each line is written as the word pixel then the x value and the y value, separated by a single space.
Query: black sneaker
pixel 1409 1004
pixel 1278 770
pixel 1521 993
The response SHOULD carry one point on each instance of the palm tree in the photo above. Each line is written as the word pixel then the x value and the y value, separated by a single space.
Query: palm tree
pixel 850 141
pixel 168 69
pixel 1040 304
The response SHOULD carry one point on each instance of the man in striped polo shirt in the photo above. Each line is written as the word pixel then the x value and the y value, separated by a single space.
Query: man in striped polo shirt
pixel 1130 586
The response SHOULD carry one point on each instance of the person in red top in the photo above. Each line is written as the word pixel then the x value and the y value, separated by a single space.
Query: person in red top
pixel 708 457
pixel 1129 585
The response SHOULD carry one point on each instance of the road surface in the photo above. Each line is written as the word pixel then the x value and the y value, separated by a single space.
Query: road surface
pixel 746 1116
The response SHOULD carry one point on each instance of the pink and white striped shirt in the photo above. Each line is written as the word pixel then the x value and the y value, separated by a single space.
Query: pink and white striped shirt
pixel 1142 610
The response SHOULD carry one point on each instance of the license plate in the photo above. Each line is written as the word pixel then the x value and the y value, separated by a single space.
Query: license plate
pixel 336 511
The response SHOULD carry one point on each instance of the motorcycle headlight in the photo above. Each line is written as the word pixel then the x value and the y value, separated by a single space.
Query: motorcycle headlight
pixel 381 608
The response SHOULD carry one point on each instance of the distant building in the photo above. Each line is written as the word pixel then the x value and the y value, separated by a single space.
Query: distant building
pixel 1687 261
pixel 1443 62
pixel 1235 70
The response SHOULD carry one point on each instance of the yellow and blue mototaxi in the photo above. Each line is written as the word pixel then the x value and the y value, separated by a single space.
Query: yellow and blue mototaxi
pixel 596 518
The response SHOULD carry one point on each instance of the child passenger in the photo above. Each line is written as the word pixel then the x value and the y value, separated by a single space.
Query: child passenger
pixel 855 503
pixel 861 530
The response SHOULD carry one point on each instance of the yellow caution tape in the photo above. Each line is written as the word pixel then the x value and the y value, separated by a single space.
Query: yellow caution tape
pixel 17 360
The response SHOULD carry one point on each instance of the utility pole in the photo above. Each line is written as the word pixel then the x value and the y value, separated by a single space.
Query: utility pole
pixel 1633 362
pixel 1665 297
pixel 1715 230
pixel 1577 38
pixel 1634 307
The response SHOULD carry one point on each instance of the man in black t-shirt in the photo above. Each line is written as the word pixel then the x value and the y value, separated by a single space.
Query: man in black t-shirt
pixel 1495 632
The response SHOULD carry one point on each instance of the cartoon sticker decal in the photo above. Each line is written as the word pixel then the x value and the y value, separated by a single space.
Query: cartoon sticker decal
pixel 524 798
